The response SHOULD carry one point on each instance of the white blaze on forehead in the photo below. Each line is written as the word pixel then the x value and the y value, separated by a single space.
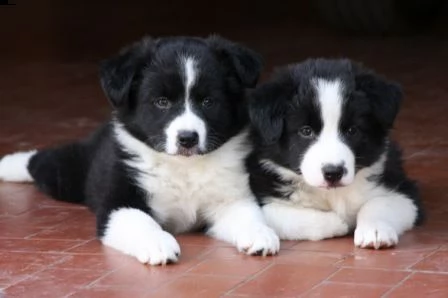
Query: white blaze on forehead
pixel 329 149
pixel 187 120
pixel 189 74
pixel 329 94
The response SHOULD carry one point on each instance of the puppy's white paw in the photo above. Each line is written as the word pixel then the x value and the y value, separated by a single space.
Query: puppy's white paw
pixel 135 233
pixel 258 240
pixel 158 249
pixel 155 248
pixel 375 235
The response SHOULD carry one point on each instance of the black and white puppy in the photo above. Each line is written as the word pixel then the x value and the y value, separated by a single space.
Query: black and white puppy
pixel 172 159
pixel 325 164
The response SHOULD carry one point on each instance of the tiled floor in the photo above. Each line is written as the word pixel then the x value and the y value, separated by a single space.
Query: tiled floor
pixel 47 248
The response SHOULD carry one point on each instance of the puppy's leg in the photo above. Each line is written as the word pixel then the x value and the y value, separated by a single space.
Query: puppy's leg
pixel 242 224
pixel 134 232
pixel 382 219
pixel 297 223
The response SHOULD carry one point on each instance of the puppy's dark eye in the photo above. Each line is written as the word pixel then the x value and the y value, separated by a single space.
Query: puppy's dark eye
pixel 207 102
pixel 162 103
pixel 306 132
pixel 352 131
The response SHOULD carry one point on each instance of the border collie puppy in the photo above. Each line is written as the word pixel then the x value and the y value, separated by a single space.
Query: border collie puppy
pixel 325 164
pixel 172 159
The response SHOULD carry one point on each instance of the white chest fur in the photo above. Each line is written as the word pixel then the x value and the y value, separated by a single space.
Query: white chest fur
pixel 184 191
pixel 345 202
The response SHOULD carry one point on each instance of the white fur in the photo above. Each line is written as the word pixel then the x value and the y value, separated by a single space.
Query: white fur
pixel 293 222
pixel 14 167
pixel 135 233
pixel 188 120
pixel 189 66
pixel 242 224
pixel 185 192
pixel 382 219
pixel 380 215
pixel 329 149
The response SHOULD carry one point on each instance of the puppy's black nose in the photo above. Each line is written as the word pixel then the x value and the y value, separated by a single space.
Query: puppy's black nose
pixel 187 138
pixel 333 173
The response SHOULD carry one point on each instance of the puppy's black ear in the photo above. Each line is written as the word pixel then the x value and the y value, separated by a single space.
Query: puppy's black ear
pixel 246 63
pixel 267 109
pixel 385 96
pixel 117 73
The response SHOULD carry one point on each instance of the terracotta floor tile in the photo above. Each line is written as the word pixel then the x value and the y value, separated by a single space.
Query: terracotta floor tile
pixel 72 232
pixel 197 286
pixel 423 285
pixel 52 283
pixel 28 245
pixel 16 266
pixel 144 277
pixel 229 253
pixel 287 244
pixel 193 252
pixel 104 262
pixel 437 262
pixel 337 245
pixel 96 247
pixel 332 290
pixel 20 197
pixel 9 189
pixel 17 231
pixel 285 280
pixel 200 239
pixel 234 254
pixel 93 246
pixel 234 268
pixel 226 253
pixel 308 257
pixel 46 202
pixel 420 240
pixel 135 274
pixel 14 203
pixel 369 276
pixel 386 259
pixel 109 293
pixel 45 217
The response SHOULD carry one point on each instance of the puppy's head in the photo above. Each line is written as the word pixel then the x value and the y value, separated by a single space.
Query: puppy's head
pixel 325 119
pixel 181 96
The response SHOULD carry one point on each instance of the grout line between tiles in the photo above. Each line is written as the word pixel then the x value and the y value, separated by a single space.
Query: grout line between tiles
pixel 387 294
pixel 430 272
pixel 320 283
pixel 89 285
pixel 49 266
pixel 424 258
pixel 249 278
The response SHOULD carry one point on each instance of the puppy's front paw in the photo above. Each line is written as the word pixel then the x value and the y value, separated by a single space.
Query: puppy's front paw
pixel 155 248
pixel 375 235
pixel 135 233
pixel 160 248
pixel 258 240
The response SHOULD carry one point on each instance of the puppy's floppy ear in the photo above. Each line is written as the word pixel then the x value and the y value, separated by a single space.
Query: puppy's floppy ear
pixel 117 73
pixel 385 96
pixel 267 109
pixel 246 63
